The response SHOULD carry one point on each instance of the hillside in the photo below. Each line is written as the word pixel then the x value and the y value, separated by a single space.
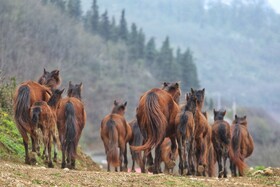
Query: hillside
pixel 235 46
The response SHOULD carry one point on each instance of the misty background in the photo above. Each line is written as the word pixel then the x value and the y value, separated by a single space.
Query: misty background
pixel 120 49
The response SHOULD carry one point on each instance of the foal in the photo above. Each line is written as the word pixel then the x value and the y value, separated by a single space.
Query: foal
pixel 43 114
pixel 115 133
pixel 185 134
pixel 221 140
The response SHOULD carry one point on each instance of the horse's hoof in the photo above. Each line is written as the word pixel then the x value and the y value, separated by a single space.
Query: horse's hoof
pixel 50 165
pixel 55 159
pixel 133 170
pixel 63 165
pixel 150 169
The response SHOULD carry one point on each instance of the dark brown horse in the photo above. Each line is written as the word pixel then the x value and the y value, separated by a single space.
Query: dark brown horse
pixel 203 135
pixel 43 114
pixel 221 140
pixel 115 133
pixel 26 94
pixel 71 120
pixel 185 134
pixel 242 145
pixel 156 114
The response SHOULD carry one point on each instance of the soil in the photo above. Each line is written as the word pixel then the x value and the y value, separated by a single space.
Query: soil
pixel 20 174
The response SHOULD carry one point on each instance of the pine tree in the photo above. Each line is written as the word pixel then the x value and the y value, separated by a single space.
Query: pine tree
pixel 95 17
pixel 123 32
pixel 113 30
pixel 150 53
pixel 104 28
pixel 141 44
pixel 74 8
pixel 132 42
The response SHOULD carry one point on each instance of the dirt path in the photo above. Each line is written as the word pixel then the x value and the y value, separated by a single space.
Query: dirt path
pixel 17 174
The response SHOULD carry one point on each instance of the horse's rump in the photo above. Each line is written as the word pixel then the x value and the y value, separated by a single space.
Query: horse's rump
pixel 151 119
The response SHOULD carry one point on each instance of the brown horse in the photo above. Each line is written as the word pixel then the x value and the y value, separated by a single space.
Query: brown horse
pixel 26 94
pixel 185 134
pixel 115 133
pixel 221 140
pixel 71 120
pixel 203 134
pixel 167 156
pixel 156 114
pixel 43 114
pixel 241 146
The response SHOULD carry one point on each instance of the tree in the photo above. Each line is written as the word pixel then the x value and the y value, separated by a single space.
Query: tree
pixel 123 32
pixel 113 30
pixel 95 17
pixel 132 42
pixel 141 44
pixel 104 28
pixel 150 52
pixel 74 8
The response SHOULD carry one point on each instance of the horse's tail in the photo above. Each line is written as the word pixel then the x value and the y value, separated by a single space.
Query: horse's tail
pixel 223 134
pixel 183 123
pixel 70 143
pixel 113 155
pixel 234 151
pixel 137 141
pixel 211 161
pixel 22 104
pixel 36 111
pixel 155 122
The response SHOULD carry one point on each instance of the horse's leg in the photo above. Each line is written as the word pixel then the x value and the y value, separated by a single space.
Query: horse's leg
pixel 125 158
pixel 181 167
pixel 220 167
pixel 225 167
pixel 157 158
pixel 190 157
pixel 63 163
pixel 25 143
pixel 232 169
pixel 55 141
pixel 150 162
pixel 50 164
pixel 143 170
pixel 122 148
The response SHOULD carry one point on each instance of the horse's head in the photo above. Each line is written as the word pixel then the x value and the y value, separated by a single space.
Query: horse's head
pixel 55 98
pixel 50 79
pixel 240 120
pixel 119 108
pixel 200 96
pixel 173 89
pixel 191 103
pixel 219 115
pixel 75 90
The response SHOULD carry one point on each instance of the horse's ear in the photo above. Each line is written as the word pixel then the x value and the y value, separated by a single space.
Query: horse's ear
pixel 81 85
pixel 235 117
pixel 187 96
pixel 203 90
pixel 244 117
pixel 224 113
pixel 61 91
pixel 165 84
pixel 70 84
pixel 125 103
pixel 45 71
pixel 177 85
pixel 115 103
pixel 214 111
pixel 192 90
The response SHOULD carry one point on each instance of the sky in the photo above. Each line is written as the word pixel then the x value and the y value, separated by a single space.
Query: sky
pixel 275 4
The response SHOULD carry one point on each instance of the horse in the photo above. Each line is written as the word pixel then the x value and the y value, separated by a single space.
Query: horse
pixel 185 134
pixel 115 133
pixel 43 114
pixel 202 134
pixel 221 140
pixel 242 145
pixel 156 114
pixel 167 156
pixel 25 95
pixel 71 120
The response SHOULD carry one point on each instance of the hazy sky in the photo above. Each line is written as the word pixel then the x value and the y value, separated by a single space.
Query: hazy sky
pixel 275 4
